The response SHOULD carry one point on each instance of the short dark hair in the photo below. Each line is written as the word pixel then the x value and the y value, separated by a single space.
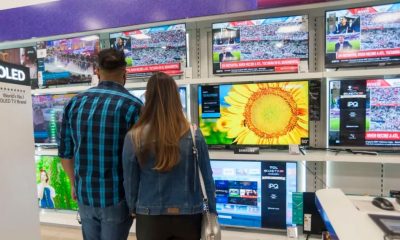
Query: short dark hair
pixel 111 59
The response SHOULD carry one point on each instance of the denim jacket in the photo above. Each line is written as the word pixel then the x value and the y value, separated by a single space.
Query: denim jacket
pixel 177 192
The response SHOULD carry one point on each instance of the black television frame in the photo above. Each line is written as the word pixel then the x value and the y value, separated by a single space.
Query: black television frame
pixel 261 161
pixel 254 72
pixel 236 146
pixel 353 65
pixel 148 74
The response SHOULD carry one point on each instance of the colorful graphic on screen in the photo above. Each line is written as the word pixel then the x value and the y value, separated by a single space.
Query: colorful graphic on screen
pixel 365 112
pixel 47 117
pixel 274 113
pixel 67 61
pixel 25 56
pixel 253 193
pixel 156 49
pixel 263 45
pixel 53 185
pixel 363 36
pixel 140 93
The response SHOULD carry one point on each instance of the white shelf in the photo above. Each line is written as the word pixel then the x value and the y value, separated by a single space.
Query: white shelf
pixel 363 73
pixel 311 156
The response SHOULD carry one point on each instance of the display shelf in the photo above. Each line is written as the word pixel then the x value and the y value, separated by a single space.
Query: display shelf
pixel 283 155
pixel 311 156
pixel 363 73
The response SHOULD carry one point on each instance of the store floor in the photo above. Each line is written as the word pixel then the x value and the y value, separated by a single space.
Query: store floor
pixel 63 233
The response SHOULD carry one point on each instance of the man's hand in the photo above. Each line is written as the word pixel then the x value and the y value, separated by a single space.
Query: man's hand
pixel 73 193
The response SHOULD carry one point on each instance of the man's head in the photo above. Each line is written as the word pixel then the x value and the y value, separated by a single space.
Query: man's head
pixel 223 50
pixel 111 66
pixel 343 21
pixel 341 39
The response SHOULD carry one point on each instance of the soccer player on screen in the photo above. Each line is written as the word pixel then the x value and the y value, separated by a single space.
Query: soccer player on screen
pixel 342 45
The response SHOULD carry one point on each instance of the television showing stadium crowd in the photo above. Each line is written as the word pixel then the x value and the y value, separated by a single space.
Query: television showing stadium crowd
pixel 385 118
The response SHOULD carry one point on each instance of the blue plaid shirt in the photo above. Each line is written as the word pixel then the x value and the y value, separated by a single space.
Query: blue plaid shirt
pixel 93 129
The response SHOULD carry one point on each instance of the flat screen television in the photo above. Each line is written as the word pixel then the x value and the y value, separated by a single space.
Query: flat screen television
pixel 67 61
pixel 255 194
pixel 262 114
pixel 363 36
pixel 25 56
pixel 47 117
pixel 156 49
pixel 53 185
pixel 140 93
pixel 364 113
pixel 264 45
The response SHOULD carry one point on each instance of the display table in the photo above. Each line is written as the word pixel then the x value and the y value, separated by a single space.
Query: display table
pixel 346 217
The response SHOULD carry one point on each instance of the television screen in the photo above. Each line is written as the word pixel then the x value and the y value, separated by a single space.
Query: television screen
pixel 254 193
pixel 274 113
pixel 156 49
pixel 363 36
pixel 53 186
pixel 47 117
pixel 263 45
pixel 364 112
pixel 25 56
pixel 140 93
pixel 67 61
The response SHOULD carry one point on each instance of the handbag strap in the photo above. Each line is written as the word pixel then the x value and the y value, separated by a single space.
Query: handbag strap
pixel 196 158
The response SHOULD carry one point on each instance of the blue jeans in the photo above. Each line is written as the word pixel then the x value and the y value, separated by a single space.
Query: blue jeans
pixel 112 222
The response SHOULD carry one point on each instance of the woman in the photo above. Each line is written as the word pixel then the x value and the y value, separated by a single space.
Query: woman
pixel 160 174
pixel 46 193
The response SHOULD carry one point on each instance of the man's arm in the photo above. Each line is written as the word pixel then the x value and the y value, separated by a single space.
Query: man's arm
pixel 68 165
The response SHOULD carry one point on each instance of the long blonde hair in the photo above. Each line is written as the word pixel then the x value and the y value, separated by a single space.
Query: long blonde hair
pixel 165 123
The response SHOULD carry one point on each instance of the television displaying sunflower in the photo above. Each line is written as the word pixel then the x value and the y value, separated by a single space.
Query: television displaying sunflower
pixel 273 113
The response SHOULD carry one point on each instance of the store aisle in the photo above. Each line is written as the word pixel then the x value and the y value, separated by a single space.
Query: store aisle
pixel 63 233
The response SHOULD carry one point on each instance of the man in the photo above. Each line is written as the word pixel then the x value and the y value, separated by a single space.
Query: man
pixel 343 26
pixel 93 130
pixel 342 45
pixel 225 56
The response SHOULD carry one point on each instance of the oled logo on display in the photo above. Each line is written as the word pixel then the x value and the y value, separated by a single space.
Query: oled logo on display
pixel 12 73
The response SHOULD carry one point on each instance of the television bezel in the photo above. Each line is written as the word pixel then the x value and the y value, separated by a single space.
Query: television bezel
pixel 52 145
pixel 51 209
pixel 361 147
pixel 235 146
pixel 261 161
pixel 67 38
pixel 164 25
pixel 354 65
pixel 256 19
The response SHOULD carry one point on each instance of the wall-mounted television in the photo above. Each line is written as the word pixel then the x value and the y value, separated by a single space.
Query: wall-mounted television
pixel 263 114
pixel 47 117
pixel 364 113
pixel 25 56
pixel 156 49
pixel 363 36
pixel 140 93
pixel 53 185
pixel 264 45
pixel 254 194
pixel 67 61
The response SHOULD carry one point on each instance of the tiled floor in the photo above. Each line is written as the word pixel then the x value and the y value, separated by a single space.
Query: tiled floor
pixel 63 233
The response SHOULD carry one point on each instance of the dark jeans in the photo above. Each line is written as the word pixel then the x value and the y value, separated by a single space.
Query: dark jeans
pixel 105 223
pixel 168 227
